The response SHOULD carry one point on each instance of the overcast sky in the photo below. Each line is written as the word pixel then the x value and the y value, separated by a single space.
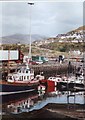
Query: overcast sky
pixel 48 18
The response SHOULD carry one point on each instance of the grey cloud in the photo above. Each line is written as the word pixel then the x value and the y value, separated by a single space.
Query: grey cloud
pixel 48 18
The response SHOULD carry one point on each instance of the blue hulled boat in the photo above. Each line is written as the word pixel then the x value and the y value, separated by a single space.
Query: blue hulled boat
pixel 22 80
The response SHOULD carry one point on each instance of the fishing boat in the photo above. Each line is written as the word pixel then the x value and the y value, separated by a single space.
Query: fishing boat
pixel 64 82
pixel 22 80
pixel 51 81
pixel 72 83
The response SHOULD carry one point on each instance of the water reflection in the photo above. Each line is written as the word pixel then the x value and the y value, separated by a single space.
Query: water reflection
pixel 41 98
pixel 21 106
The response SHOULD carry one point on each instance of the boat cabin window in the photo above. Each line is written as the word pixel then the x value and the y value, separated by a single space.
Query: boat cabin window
pixel 27 77
pixel 10 77
pixel 31 71
pixel 19 71
pixel 51 78
pixel 21 78
pixel 58 79
pixel 24 77
pixel 27 71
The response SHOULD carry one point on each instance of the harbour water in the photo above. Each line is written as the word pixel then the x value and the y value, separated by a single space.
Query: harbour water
pixel 38 99
pixel 13 105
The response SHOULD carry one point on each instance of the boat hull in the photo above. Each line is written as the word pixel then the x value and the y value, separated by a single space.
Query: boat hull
pixel 48 83
pixel 15 97
pixel 11 88
pixel 51 83
pixel 69 86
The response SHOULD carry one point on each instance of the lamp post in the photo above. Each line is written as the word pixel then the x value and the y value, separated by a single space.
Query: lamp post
pixel 30 31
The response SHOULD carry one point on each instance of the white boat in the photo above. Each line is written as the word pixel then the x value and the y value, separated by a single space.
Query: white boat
pixel 21 75
pixel 74 79
pixel 22 80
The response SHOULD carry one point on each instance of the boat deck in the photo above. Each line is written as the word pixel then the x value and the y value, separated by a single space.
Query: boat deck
pixel 16 83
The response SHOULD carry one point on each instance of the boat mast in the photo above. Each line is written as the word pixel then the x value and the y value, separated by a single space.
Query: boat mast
pixel 8 60
pixel 84 67
pixel 84 57
pixel 29 56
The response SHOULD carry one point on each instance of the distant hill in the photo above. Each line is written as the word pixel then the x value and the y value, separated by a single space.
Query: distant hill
pixel 20 38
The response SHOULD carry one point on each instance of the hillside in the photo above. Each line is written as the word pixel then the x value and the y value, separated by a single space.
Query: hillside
pixel 61 44
pixel 78 29
pixel 64 42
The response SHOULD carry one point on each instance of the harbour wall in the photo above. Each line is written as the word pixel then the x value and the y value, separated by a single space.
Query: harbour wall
pixel 53 70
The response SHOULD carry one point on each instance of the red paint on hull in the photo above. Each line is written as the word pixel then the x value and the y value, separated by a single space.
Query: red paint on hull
pixel 48 82
pixel 50 89
pixel 51 83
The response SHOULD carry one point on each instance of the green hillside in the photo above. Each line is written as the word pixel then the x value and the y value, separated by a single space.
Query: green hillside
pixel 64 47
